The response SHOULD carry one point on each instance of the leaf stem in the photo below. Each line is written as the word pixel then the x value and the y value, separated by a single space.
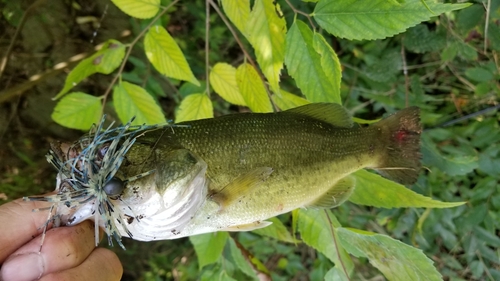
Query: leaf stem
pixel 297 11
pixel 129 51
pixel 337 248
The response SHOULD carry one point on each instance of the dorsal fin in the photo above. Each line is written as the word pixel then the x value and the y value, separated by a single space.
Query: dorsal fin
pixel 331 113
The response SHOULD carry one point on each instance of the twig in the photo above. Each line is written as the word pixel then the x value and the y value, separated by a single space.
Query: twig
pixel 207 45
pixel 5 59
pixel 297 11
pixel 488 8
pixel 405 72
pixel 122 66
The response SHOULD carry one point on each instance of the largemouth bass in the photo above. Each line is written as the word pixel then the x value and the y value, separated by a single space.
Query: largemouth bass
pixel 229 173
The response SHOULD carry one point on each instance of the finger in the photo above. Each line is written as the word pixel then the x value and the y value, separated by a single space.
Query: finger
pixel 63 248
pixel 102 264
pixel 19 224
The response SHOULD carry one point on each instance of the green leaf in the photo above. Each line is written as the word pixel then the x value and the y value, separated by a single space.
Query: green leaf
pixel 316 229
pixel 375 19
pixel 305 65
pixel 288 100
pixel 141 9
pixel 374 190
pixel 131 100
pixel 238 12
pixel 209 246
pixel 419 39
pixel 252 89
pixel 277 231
pixel 105 61
pixel 223 80
pixel 453 166
pixel 77 111
pixel 266 31
pixel 166 56
pixel 194 107
pixel 241 261
pixel 330 64
pixel 396 260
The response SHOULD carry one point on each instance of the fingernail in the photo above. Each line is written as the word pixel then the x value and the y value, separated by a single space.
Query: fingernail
pixel 23 267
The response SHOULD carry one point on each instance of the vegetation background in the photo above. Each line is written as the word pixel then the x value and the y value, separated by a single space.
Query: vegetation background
pixel 448 66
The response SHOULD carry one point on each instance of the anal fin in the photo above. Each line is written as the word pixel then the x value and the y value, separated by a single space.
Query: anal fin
pixel 248 226
pixel 336 195
pixel 241 186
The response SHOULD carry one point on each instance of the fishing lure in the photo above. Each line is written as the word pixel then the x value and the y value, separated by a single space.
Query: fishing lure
pixel 87 177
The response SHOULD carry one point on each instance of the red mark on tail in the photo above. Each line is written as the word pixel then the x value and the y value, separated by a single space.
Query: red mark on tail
pixel 401 135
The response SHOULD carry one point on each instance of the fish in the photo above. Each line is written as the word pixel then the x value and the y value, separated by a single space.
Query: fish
pixel 229 173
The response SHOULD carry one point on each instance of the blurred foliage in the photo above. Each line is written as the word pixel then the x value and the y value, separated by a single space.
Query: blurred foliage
pixel 448 66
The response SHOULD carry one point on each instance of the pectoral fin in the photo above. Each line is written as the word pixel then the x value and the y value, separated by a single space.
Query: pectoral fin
pixel 337 195
pixel 249 226
pixel 241 186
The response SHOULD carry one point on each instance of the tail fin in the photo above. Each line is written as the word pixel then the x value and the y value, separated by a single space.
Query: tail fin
pixel 401 162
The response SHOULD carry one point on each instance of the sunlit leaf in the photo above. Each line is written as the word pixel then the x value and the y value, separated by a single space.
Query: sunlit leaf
pixel 252 89
pixel 375 19
pixel 374 190
pixel 305 65
pixel 266 28
pixel 209 246
pixel 194 107
pixel 395 259
pixel 238 12
pixel 77 111
pixel 105 61
pixel 318 232
pixel 223 80
pixel 131 100
pixel 330 64
pixel 277 231
pixel 141 9
pixel 166 56
pixel 288 100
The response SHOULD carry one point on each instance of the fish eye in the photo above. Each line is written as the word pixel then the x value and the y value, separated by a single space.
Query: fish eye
pixel 114 187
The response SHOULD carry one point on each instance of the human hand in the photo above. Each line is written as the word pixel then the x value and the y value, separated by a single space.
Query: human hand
pixel 68 253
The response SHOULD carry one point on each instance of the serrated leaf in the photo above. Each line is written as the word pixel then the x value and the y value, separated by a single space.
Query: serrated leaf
pixel 304 64
pixel 141 9
pixel 131 100
pixel 395 259
pixel 330 64
pixel 77 111
pixel 105 61
pixel 208 247
pixel 266 31
pixel 194 107
pixel 277 231
pixel 317 231
pixel 238 12
pixel 252 89
pixel 166 56
pixel 223 80
pixel 375 19
pixel 288 100
pixel 374 190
